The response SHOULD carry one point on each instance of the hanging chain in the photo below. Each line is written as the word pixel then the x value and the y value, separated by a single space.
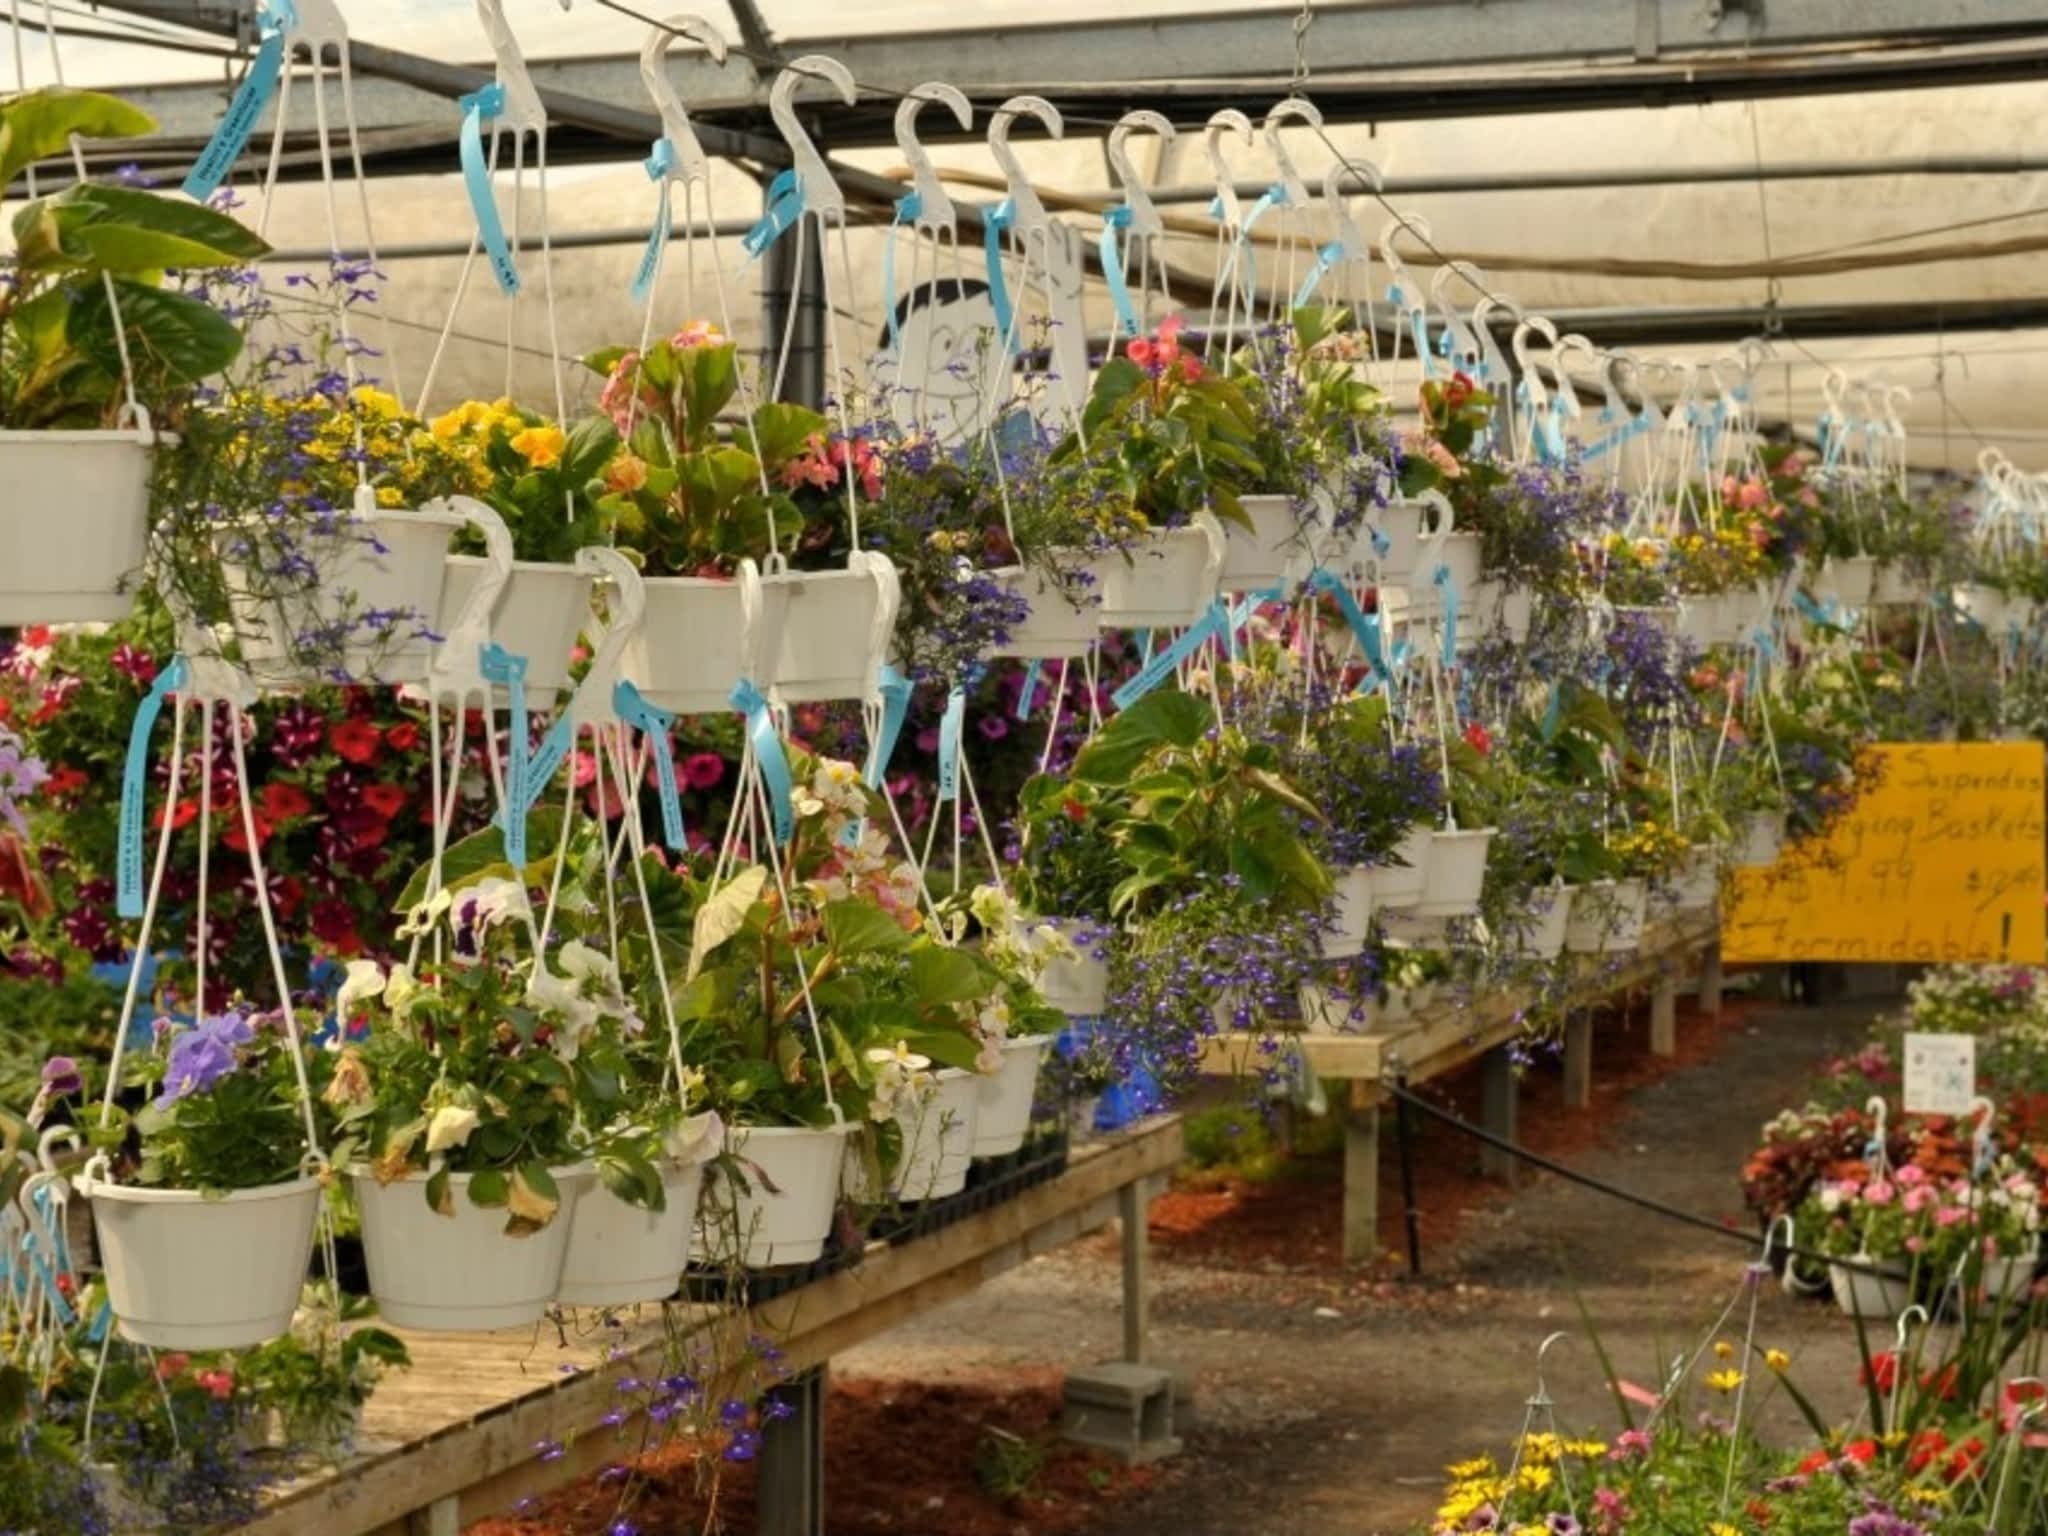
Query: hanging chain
pixel 1302 23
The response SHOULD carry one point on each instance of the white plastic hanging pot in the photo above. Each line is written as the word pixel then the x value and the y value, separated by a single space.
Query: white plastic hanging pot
pixel 1401 883
pixel 1696 884
pixel 938 1128
pixel 1457 557
pixel 1078 987
pixel 1988 606
pixel 1897 586
pixel 1661 617
pixel 387 562
pixel 1607 917
pixel 1861 1292
pixel 1351 915
pixel 1702 619
pixel 700 636
pixel 1065 616
pixel 1399 525
pixel 621 1254
pixel 1003 1117
pixel 1410 928
pixel 189 1271
pixel 785 1213
pixel 2009 1279
pixel 1274 551
pixel 461 1273
pixel 1545 920
pixel 836 628
pixel 74 525
pixel 1763 838
pixel 539 615
pixel 1168 581
pixel 1742 612
pixel 1847 580
pixel 1496 609
pixel 1455 873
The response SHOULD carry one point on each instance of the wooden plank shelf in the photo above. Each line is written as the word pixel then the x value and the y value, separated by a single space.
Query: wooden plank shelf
pixel 1444 1036
pixel 460 1436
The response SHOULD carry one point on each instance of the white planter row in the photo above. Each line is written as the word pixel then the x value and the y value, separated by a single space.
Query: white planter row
pixel 185 1271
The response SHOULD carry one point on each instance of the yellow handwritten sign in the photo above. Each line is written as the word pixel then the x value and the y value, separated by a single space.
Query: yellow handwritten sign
pixel 1943 858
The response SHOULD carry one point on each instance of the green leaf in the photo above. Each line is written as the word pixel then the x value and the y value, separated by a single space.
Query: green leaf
pixel 437 1193
pixel 185 339
pixel 481 854
pixel 723 915
pixel 861 928
pixel 1163 718
pixel 533 1199
pixel 40 124
pixel 1280 789
pixel 604 360
pixel 940 975
pixel 228 238
pixel 118 248
pixel 591 444
pixel 488 1187
pixel 947 1047
pixel 780 431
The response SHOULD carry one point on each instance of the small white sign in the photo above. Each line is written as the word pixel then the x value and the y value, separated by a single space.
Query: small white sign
pixel 1941 1074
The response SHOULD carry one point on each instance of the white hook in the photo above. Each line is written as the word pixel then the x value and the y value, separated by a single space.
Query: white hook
pixel 1145 222
pixel 317 24
pixel 1542 1390
pixel 1030 212
pixel 690 164
pixel 821 194
pixel 1397 269
pixel 522 111
pixel 592 702
pixel 934 207
pixel 1518 343
pixel 1349 236
pixel 1464 343
pixel 1294 108
pixel 1229 120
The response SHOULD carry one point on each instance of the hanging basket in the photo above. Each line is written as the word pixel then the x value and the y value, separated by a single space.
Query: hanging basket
pixel 1742 613
pixel 1897 586
pixel 1274 552
pixel 461 1273
pixel 1078 987
pixel 1545 920
pixel 621 1254
pixel 1847 580
pixel 1400 526
pixel 1862 1293
pixel 386 562
pixel 538 616
pixel 1695 885
pixel 834 627
pixel 1003 1116
pixel 191 1271
pixel 1988 607
pixel 1402 882
pixel 1351 919
pixel 938 1137
pixel 1497 609
pixel 2010 1279
pixel 1065 617
pixel 1454 874
pixel 784 1214
pixel 1168 580
pixel 1458 554
pixel 1702 620
pixel 699 636
pixel 74 524
pixel 1607 917
pixel 1660 617
pixel 1763 839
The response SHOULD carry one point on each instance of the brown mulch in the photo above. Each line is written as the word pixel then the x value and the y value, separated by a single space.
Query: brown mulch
pixel 1293 1220
pixel 900 1457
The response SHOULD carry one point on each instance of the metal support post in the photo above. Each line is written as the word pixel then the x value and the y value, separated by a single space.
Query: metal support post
pixel 1500 1102
pixel 1361 1175
pixel 791 1491
pixel 1133 1203
pixel 1578 1058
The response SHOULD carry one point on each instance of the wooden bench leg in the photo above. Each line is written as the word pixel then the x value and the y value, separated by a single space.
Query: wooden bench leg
pixel 1500 1098
pixel 1710 981
pixel 1132 1206
pixel 443 1517
pixel 1362 1175
pixel 1664 1018
pixel 1578 1059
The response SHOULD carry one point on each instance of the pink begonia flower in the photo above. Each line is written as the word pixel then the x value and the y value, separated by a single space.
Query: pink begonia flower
pixel 1911 1174
pixel 1949 1215
pixel 1915 1244
pixel 1878 1192
pixel 1918 1199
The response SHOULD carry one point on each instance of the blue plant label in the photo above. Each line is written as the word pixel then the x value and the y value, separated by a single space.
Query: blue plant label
pixel 134 773
pixel 477 108
pixel 246 106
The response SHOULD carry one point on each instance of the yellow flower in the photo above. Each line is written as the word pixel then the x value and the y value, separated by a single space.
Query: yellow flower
pixel 1722 1528
pixel 1532 1478
pixel 390 496
pixel 1724 1381
pixel 446 428
pixel 540 446
pixel 1478 1466
pixel 1722 1348
pixel 625 474
pixel 380 403
pixel 1777 1359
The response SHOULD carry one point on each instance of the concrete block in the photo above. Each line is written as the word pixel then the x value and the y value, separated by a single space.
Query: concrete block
pixel 1124 1409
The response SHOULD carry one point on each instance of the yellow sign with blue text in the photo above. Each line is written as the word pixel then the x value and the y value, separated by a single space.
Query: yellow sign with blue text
pixel 1942 859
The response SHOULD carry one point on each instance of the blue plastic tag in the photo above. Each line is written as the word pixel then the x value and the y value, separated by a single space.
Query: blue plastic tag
pixel 1115 220
pixel 1448 591
pixel 128 860
pixel 785 206
pixel 1326 259
pixel 1028 694
pixel 908 208
pixel 950 725
pixel 767 744
pixel 894 688
pixel 246 107
pixel 477 108
pixel 653 723
pixel 1155 671
pixel 993 222
pixel 658 164
pixel 500 666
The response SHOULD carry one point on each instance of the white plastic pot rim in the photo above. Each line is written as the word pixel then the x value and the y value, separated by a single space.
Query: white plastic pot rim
pixel 92 1188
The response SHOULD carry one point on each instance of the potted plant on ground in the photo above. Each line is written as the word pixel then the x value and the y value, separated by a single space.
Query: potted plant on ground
pixel 204 1200
pixel 1875 1240
pixel 98 355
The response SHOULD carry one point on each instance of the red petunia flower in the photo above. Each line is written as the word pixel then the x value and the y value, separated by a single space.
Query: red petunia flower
pixel 1477 739
pixel 387 800
pixel 356 740
pixel 285 802
pixel 334 924
pixel 237 834
pixel 186 813
pixel 402 737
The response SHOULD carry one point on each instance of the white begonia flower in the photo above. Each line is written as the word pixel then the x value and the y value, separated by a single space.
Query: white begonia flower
pixel 695 1140
pixel 993 907
pixel 401 988
pixel 422 917
pixel 580 961
pixel 450 1128
pixel 804 802
pixel 364 981
pixel 1050 943
pixel 1830 1199
pixel 575 1015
